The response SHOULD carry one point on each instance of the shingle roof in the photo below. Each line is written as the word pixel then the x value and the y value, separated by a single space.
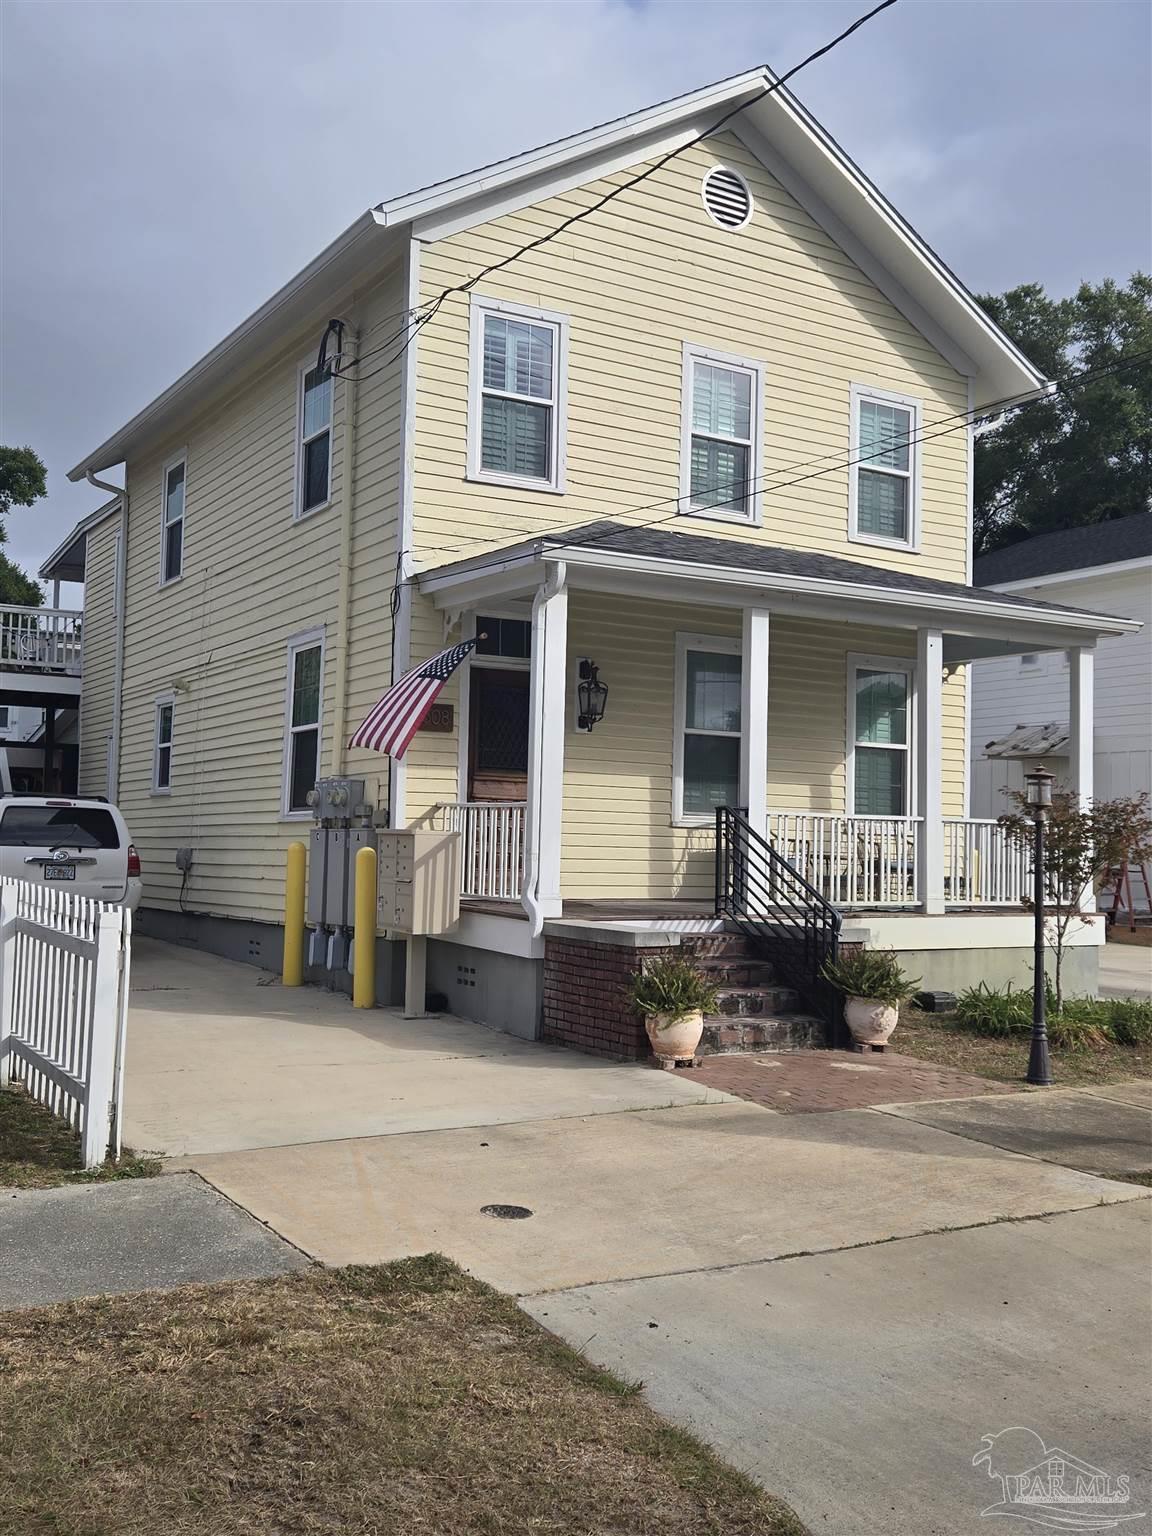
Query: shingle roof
pixel 740 555
pixel 1068 549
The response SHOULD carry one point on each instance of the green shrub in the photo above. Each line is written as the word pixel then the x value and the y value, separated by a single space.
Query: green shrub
pixel 871 973
pixel 1081 1025
pixel 673 986
pixel 1129 1020
pixel 994 1011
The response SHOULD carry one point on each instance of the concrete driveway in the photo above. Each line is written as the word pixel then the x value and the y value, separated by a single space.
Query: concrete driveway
pixel 222 1058
pixel 1126 970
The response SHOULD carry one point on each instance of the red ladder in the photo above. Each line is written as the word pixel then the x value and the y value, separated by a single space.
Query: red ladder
pixel 1119 882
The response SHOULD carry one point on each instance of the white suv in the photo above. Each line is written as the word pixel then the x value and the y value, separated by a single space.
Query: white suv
pixel 81 845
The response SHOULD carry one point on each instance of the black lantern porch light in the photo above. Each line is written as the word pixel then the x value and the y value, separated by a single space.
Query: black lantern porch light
pixel 1038 794
pixel 591 696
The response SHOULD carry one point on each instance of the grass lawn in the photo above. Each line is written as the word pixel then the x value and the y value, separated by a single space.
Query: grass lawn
pixel 37 1150
pixel 403 1399
pixel 936 1037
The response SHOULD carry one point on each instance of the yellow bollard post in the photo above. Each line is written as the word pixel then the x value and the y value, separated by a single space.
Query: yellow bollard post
pixel 293 975
pixel 364 932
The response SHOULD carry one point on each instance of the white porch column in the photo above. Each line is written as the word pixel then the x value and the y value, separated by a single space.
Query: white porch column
pixel 929 767
pixel 754 719
pixel 1081 745
pixel 546 726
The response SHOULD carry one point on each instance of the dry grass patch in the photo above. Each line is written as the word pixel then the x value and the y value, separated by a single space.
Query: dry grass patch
pixel 400 1400
pixel 38 1150
pixel 937 1038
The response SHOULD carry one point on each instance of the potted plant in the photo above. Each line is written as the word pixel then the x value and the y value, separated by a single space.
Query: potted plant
pixel 874 986
pixel 673 995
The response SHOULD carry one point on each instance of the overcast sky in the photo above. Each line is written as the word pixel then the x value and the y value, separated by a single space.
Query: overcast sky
pixel 166 166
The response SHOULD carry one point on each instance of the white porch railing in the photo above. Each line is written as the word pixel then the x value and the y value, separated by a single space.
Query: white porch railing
pixel 491 846
pixel 40 639
pixel 853 861
pixel 64 963
pixel 983 866
pixel 871 861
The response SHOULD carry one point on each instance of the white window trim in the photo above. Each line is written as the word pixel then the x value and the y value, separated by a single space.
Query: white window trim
pixel 163 701
pixel 859 393
pixel 173 463
pixel 725 645
pixel 858 662
pixel 306 640
pixel 6 716
pixel 558 448
pixel 298 513
pixel 693 353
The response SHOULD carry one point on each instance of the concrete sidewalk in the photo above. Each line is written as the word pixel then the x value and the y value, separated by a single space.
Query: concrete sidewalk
pixel 220 1057
pixel 138 1235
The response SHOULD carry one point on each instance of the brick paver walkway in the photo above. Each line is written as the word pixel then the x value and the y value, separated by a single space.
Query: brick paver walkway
pixel 804 1082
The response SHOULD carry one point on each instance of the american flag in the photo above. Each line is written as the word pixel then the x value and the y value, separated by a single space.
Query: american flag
pixel 392 722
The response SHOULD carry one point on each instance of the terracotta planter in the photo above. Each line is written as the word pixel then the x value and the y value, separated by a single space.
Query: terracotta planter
pixel 675 1036
pixel 871 1022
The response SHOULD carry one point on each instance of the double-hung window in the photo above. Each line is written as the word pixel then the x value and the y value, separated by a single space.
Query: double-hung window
pixel 162 746
pixel 518 389
pixel 880 736
pixel 721 433
pixel 172 525
pixel 314 449
pixel 302 725
pixel 708 723
pixel 885 470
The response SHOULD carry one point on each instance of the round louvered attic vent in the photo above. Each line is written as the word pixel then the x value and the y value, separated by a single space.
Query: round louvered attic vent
pixel 727 198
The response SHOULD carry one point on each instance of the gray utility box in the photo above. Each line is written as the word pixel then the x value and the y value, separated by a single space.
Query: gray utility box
pixel 332 873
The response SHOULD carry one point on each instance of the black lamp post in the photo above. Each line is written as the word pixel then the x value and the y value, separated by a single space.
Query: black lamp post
pixel 1039 796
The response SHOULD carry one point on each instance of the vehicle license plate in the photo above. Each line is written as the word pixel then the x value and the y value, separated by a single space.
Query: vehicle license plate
pixel 59 871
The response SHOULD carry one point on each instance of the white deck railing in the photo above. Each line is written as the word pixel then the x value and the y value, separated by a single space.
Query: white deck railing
pixel 983 866
pixel 491 846
pixel 64 1007
pixel 40 639
pixel 853 861
pixel 871 861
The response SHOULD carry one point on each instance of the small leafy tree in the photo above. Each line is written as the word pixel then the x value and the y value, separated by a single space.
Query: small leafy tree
pixel 1081 846
pixel 22 482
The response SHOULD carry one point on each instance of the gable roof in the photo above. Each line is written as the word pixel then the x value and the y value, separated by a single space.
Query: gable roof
pixel 66 562
pixel 1074 550
pixel 775 127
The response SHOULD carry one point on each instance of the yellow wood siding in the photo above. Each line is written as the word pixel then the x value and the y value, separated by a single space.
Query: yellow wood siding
pixel 99 680
pixel 638 280
pixel 252 579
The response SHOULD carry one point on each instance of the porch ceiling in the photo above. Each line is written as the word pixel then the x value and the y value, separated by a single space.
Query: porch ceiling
pixel 617 557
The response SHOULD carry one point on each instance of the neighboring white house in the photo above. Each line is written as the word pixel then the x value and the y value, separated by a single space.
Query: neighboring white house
pixel 1020 704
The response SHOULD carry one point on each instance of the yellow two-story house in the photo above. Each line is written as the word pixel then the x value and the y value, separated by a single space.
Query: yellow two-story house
pixel 679 420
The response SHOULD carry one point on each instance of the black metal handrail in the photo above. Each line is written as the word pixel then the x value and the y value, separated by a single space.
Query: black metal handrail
pixel 787 920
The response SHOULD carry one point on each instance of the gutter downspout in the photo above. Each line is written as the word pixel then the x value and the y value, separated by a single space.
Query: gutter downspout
pixel 120 582
pixel 529 900
pixel 351 402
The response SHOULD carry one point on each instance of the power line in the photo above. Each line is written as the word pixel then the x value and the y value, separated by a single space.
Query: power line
pixel 961 421
pixel 496 266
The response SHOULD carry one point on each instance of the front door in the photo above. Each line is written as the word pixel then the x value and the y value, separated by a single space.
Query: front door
pixel 498 734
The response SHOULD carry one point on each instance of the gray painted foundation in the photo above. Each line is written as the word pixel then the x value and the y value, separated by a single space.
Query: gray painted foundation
pixel 503 991
pixel 952 970
pixel 262 944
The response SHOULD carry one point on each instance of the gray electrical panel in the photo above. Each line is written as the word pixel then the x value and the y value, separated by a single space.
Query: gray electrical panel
pixel 332 873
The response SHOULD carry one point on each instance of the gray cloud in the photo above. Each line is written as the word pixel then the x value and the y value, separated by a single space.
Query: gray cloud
pixel 167 165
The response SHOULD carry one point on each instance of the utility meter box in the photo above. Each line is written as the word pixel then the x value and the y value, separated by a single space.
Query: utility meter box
pixel 336 799
pixel 419 881
pixel 332 873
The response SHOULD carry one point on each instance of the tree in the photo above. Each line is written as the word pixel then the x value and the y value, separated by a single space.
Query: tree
pixel 23 480
pixel 1083 454
pixel 1080 848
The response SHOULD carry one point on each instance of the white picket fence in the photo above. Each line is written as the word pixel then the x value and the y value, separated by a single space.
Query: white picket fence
pixel 64 970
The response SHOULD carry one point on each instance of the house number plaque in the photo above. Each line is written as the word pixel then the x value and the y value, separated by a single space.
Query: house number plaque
pixel 441 717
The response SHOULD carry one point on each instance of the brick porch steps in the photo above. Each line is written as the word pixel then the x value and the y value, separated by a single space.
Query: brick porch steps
pixel 754 1013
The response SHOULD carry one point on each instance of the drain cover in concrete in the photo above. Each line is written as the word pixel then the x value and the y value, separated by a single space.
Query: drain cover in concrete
pixel 139 1235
